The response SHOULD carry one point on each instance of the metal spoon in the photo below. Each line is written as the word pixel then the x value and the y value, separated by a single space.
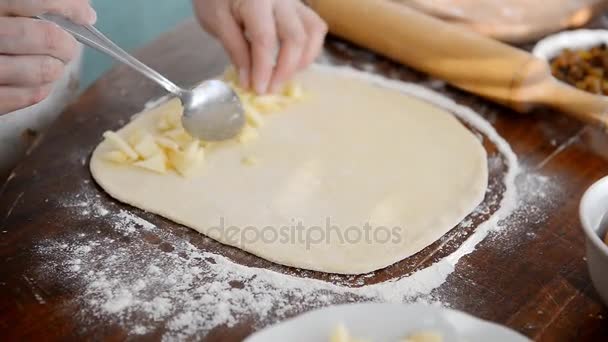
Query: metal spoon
pixel 212 110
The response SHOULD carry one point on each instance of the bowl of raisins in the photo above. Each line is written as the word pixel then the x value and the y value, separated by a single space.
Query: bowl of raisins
pixel 578 58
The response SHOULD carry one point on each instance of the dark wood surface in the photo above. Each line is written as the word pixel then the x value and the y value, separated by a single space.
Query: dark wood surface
pixel 534 281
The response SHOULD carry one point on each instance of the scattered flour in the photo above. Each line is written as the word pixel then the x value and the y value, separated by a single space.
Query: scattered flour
pixel 131 280
pixel 538 195
pixel 87 206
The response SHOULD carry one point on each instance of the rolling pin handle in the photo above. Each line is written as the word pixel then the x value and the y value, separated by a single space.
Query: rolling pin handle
pixel 585 106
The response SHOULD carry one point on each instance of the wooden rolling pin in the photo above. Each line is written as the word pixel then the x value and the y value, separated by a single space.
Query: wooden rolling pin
pixel 461 57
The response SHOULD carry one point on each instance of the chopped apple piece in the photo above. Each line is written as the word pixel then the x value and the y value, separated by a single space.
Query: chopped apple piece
pixel 118 157
pixel 163 124
pixel 179 136
pixel 156 163
pixel 167 143
pixel 135 137
pixel 191 150
pixel 247 135
pixel 293 91
pixel 268 103
pixel 340 334
pixel 188 161
pixel 120 144
pixel 253 116
pixel 147 147
pixel 424 336
pixel 174 119
pixel 246 97
pixel 174 133
pixel 249 161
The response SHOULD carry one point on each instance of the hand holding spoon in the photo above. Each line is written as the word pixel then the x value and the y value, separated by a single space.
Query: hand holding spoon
pixel 212 110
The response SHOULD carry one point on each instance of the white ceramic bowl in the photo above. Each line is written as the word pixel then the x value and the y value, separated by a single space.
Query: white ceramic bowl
pixel 552 45
pixel 594 212
pixel 386 322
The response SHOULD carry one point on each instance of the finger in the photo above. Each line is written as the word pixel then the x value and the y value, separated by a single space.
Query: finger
pixel 317 30
pixel 13 98
pixel 79 11
pixel 233 39
pixel 25 36
pixel 257 18
pixel 29 71
pixel 293 38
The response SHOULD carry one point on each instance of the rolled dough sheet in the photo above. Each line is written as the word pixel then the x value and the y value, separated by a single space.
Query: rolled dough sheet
pixel 374 162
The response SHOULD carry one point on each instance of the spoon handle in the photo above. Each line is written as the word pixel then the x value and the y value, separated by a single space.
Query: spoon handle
pixel 90 36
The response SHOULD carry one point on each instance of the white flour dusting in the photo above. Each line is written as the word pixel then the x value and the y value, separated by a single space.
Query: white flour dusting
pixel 143 276
pixel 538 195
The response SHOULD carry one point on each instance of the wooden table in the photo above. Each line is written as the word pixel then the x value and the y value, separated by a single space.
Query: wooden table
pixel 534 281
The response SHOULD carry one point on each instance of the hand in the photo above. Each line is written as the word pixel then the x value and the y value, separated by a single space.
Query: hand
pixel 252 30
pixel 33 53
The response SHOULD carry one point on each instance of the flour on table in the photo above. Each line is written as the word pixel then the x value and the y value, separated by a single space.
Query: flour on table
pixel 130 281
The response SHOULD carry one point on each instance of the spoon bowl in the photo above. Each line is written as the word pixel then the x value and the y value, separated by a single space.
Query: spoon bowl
pixel 212 111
